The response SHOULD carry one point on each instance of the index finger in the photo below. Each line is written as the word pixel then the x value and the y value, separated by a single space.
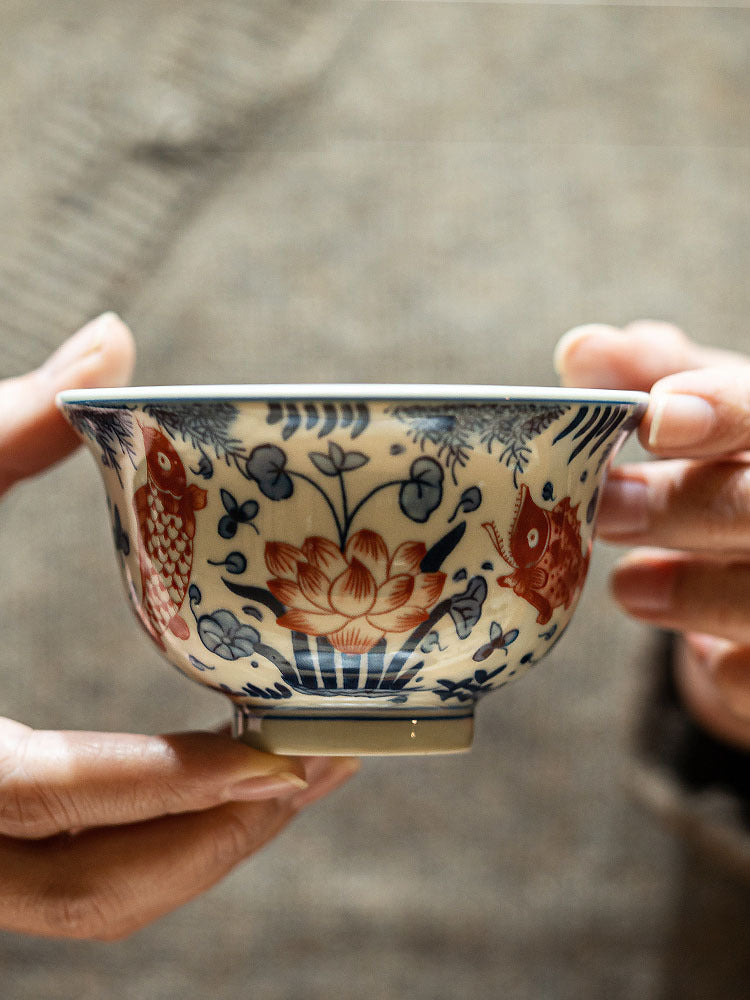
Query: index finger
pixel 56 781
pixel 699 414
pixel 33 432
pixel 597 356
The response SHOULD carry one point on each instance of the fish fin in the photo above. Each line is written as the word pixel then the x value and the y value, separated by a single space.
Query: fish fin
pixel 198 496
pixel 536 578
pixel 543 607
pixel 178 627
pixel 140 502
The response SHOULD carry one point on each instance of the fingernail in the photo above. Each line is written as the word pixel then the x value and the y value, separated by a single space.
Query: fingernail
pixel 565 344
pixel 593 368
pixel 645 589
pixel 680 421
pixel 269 786
pixel 88 341
pixel 624 507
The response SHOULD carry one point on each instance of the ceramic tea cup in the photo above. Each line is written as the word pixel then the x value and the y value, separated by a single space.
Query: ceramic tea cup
pixel 353 566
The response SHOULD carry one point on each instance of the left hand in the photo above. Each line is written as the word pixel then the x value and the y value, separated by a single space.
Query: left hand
pixel 689 513
pixel 102 833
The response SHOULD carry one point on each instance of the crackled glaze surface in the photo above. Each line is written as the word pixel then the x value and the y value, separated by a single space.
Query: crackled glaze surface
pixel 353 559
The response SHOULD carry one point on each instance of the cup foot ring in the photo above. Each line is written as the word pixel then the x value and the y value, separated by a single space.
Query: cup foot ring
pixel 354 735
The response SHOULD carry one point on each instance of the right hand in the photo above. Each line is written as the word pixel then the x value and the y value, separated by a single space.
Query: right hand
pixel 688 513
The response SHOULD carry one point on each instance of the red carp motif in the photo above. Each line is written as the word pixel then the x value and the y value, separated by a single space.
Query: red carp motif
pixel 165 508
pixel 545 551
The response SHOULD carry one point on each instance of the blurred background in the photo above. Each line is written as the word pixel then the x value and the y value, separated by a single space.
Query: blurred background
pixel 393 191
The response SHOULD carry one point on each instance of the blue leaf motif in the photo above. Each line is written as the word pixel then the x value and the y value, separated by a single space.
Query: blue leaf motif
pixel 228 526
pixel 235 563
pixel 354 460
pixel 221 633
pixel 431 641
pixel 247 511
pixel 205 467
pixel 471 499
pixel 236 514
pixel 422 492
pixel 266 465
pixel 466 608
pixel 336 454
pixel 122 540
pixel 591 509
pixel 230 504
pixel 199 664
pixel 323 463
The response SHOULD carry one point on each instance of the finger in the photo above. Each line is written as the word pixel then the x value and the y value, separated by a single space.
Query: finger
pixel 677 504
pixel 54 781
pixel 108 883
pixel 324 774
pixel 604 357
pixel 33 433
pixel 714 682
pixel 686 593
pixel 701 414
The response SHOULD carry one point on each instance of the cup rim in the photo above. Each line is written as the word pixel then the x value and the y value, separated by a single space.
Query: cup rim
pixel 351 392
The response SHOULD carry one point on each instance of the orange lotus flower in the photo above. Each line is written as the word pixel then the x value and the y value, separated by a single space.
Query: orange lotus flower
pixel 355 597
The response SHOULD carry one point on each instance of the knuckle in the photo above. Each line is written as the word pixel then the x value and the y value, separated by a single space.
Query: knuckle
pixel 30 807
pixel 240 830
pixel 21 814
pixel 722 495
pixel 734 500
pixel 79 912
pixel 235 838
pixel 28 810
pixel 176 796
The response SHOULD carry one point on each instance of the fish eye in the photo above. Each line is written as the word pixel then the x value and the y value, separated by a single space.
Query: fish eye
pixel 163 461
pixel 533 538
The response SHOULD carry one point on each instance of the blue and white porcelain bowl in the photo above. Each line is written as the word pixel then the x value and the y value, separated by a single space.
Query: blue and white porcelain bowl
pixel 353 566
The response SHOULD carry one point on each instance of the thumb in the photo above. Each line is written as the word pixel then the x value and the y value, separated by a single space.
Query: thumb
pixel 604 357
pixel 33 433
pixel 55 781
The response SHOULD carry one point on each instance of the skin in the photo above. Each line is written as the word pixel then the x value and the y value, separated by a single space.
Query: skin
pixel 102 833
pixel 686 516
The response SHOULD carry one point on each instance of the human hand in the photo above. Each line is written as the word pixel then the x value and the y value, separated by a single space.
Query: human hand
pixel 101 833
pixel 689 513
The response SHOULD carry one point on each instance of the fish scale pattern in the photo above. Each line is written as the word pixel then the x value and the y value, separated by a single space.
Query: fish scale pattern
pixel 170 555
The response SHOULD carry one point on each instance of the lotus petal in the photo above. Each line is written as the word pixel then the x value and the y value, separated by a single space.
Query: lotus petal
pixel 427 588
pixel 282 558
pixel 311 623
pixel 290 594
pixel 314 585
pixel 325 555
pixel 393 593
pixel 357 636
pixel 407 558
pixel 370 549
pixel 399 620
pixel 353 593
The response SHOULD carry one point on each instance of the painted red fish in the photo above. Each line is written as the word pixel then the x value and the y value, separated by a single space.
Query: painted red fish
pixel 165 508
pixel 545 552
